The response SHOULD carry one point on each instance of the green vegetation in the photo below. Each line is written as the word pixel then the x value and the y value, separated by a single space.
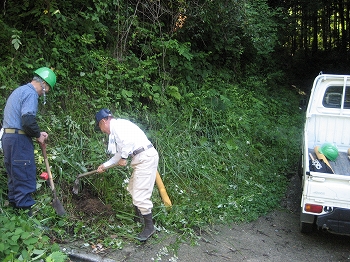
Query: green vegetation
pixel 26 240
pixel 204 79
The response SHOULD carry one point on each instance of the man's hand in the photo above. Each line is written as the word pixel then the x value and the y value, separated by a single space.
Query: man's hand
pixel 42 138
pixel 122 162
pixel 101 169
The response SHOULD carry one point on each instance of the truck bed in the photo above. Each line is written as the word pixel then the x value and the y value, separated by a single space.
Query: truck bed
pixel 340 166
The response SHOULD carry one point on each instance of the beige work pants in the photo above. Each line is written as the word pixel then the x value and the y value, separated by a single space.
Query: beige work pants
pixel 141 182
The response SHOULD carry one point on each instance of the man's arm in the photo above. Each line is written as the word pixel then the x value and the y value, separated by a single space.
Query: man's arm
pixel 30 126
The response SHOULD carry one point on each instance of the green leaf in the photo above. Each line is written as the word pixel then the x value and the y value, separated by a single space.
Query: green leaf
pixel 25 235
pixel 30 241
pixel 18 231
pixel 15 238
pixel 174 92
pixel 25 255
pixel 38 251
pixel 57 256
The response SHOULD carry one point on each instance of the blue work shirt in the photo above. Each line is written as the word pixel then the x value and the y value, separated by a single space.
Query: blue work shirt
pixel 23 100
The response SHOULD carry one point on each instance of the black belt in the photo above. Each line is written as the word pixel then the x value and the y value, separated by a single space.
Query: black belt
pixel 14 131
pixel 141 149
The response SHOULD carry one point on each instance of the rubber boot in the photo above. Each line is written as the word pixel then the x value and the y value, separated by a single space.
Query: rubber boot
pixel 138 218
pixel 28 210
pixel 148 229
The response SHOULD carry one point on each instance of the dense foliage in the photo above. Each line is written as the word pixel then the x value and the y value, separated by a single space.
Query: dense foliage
pixel 204 79
pixel 25 240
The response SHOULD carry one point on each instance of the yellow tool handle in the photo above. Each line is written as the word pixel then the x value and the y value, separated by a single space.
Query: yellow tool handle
pixel 162 191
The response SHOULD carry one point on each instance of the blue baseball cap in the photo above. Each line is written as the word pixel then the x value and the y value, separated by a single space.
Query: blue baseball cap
pixel 103 113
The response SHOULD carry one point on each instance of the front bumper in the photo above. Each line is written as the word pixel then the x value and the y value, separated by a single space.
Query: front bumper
pixel 338 221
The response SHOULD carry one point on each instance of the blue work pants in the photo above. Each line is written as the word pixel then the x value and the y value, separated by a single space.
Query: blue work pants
pixel 21 169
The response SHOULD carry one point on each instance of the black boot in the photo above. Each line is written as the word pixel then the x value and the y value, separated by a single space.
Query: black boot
pixel 12 204
pixel 28 210
pixel 138 218
pixel 148 229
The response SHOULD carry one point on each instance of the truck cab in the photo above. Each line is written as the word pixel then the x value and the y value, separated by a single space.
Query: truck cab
pixel 325 200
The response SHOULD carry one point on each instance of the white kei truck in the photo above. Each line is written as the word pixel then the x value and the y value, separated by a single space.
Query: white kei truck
pixel 325 200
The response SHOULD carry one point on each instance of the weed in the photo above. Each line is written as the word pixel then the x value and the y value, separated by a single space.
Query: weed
pixel 24 239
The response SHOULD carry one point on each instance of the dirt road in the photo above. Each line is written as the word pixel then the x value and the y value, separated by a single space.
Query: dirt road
pixel 273 237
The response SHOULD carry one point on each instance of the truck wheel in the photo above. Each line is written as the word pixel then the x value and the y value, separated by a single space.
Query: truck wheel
pixel 300 166
pixel 306 227
pixel 306 222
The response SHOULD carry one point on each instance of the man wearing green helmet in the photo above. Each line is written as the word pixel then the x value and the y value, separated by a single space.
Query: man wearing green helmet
pixel 20 126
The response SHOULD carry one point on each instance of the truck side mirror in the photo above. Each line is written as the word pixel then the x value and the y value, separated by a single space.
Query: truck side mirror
pixel 303 104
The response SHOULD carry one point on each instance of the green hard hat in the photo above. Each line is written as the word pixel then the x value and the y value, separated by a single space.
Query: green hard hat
pixel 47 75
pixel 330 151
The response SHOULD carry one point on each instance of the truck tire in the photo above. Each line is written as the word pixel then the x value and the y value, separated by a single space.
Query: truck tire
pixel 306 222
pixel 300 166
pixel 306 228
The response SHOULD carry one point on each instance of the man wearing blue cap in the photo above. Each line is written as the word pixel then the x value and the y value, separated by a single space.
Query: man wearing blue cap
pixel 127 140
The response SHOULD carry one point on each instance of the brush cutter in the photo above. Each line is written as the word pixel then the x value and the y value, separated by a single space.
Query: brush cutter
pixel 55 202
pixel 159 182
pixel 77 180
pixel 318 165
pixel 323 159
